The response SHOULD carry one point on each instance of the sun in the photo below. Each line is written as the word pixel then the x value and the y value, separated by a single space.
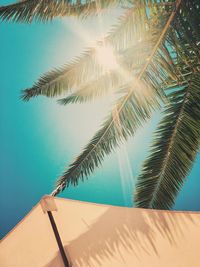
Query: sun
pixel 106 57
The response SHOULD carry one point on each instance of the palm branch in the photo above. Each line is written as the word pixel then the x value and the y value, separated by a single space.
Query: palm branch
pixel 129 112
pixel 129 62
pixel 171 65
pixel 124 37
pixel 45 10
pixel 95 88
pixel 173 152
pixel 82 69
pixel 177 138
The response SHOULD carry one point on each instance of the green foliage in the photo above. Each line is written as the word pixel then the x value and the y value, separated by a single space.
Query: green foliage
pixel 156 43
pixel 177 139
pixel 140 98
pixel 132 38
pixel 45 10
pixel 176 143
pixel 132 109
pixel 93 89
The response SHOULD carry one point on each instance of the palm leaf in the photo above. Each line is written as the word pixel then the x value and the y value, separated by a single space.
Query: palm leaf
pixel 176 140
pixel 81 70
pixel 129 113
pixel 174 149
pixel 64 79
pixel 107 82
pixel 129 63
pixel 84 68
pixel 45 10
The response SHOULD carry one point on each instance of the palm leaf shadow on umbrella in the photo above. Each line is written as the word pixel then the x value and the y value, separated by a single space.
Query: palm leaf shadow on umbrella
pixel 132 231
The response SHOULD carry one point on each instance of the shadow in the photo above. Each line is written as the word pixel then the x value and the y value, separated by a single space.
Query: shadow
pixel 135 231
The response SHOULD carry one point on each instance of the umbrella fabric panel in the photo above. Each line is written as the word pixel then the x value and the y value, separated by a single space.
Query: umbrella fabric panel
pixel 95 235
pixel 102 235
pixel 31 243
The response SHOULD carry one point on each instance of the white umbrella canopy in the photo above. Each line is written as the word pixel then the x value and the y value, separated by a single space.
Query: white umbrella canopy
pixel 101 235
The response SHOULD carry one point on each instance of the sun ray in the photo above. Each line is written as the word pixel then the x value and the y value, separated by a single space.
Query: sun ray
pixel 106 57
pixel 126 175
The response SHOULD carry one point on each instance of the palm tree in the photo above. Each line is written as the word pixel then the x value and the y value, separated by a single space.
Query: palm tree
pixel 156 46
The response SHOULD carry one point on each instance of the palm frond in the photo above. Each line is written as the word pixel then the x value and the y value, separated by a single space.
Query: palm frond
pixel 175 146
pixel 64 79
pixel 73 75
pixel 45 10
pixel 86 68
pixel 107 82
pixel 129 63
pixel 177 138
pixel 131 110
pixel 130 29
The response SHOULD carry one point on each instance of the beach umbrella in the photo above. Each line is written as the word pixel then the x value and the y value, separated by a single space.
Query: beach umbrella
pixel 61 232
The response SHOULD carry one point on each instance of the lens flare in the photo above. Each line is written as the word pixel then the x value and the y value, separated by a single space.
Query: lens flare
pixel 106 57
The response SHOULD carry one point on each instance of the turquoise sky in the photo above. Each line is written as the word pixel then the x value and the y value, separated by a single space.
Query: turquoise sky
pixel 40 138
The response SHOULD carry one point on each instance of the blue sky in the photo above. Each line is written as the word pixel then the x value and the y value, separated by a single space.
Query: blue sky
pixel 40 138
